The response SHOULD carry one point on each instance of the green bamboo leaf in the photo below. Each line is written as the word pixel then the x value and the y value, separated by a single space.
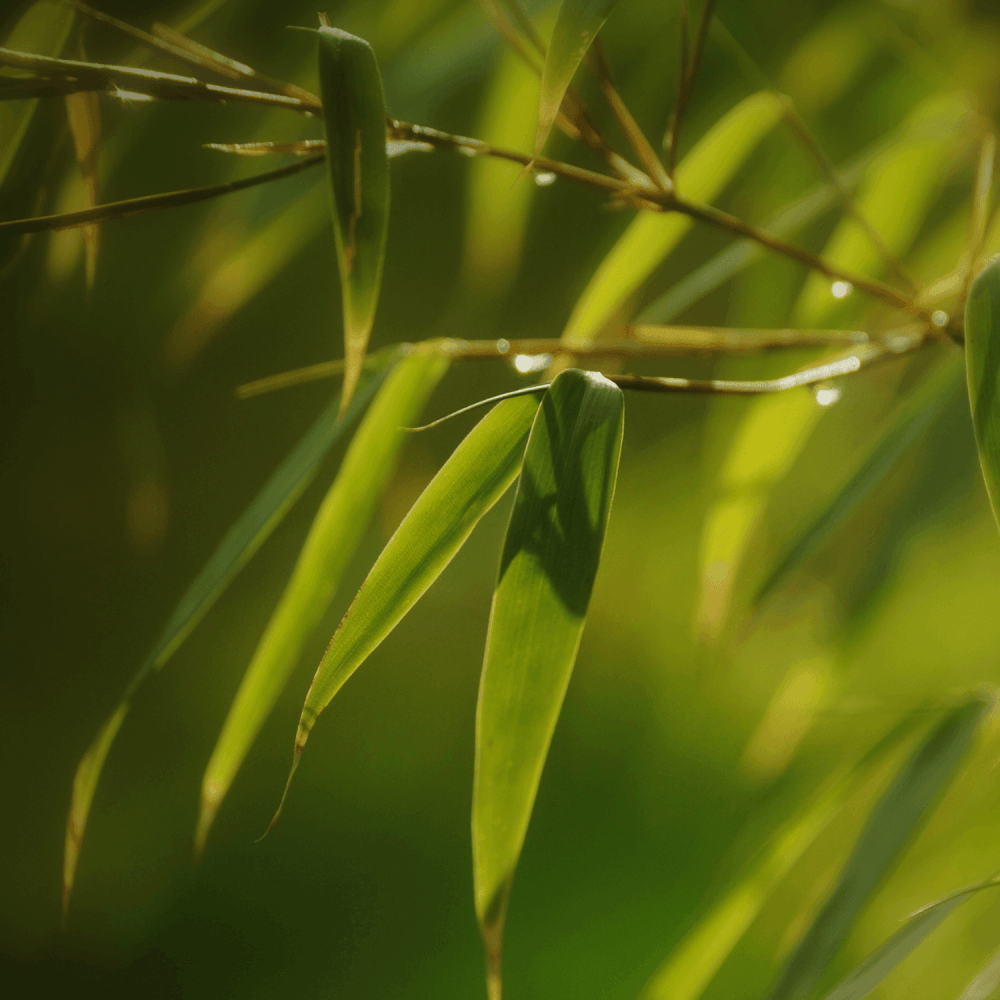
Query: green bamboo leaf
pixel 333 538
pixel 576 27
pixel 354 119
pixel 691 966
pixel 983 986
pixel 891 825
pixel 701 176
pixel 472 480
pixel 42 30
pixel 547 570
pixel 240 543
pixel 885 958
pixel 982 358
pixel 913 418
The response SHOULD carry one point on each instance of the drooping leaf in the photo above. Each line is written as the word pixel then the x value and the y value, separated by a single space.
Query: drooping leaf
pixel 891 825
pixel 984 985
pixel 547 569
pixel 885 958
pixel 576 27
pixel 650 238
pixel 241 541
pixel 914 416
pixel 337 529
pixel 982 358
pixel 42 30
pixel 354 119
pixel 475 476
pixel 691 966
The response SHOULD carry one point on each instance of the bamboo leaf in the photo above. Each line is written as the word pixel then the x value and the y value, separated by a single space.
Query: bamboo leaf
pixel 650 238
pixel 577 25
pixel 891 825
pixel 472 480
pixel 982 355
pixel 691 966
pixel 915 415
pixel 240 543
pixel 44 29
pixel 337 529
pixel 84 115
pixel 985 983
pixel 354 120
pixel 547 570
pixel 884 959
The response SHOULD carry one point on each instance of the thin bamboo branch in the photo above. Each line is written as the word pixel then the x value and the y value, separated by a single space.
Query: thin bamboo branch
pixel 151 203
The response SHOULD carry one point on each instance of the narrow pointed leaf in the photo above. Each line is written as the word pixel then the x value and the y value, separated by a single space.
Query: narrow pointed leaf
pixel 915 415
pixel 337 529
pixel 652 236
pixel 982 358
pixel 240 543
pixel 547 569
pixel 867 976
pixel 576 27
pixel 472 480
pixel 984 985
pixel 354 118
pixel 43 30
pixel 893 822
pixel 691 966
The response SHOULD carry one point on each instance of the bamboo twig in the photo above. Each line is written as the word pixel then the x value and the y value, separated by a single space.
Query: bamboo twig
pixel 689 70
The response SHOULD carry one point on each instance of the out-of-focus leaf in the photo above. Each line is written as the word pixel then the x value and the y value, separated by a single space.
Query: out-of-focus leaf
pixel 691 966
pixel 337 529
pixel 497 206
pixel 354 120
pixel 550 558
pixel 576 27
pixel 701 176
pixel 240 543
pixel 985 983
pixel 42 30
pixel 914 417
pixel 982 356
pixel 895 196
pixel 884 959
pixel 891 825
pixel 470 482
pixel 84 114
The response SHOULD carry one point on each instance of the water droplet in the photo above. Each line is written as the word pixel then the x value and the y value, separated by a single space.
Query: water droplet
pixel 503 346
pixel 543 178
pixel 826 394
pixel 841 289
pixel 528 363
pixel 939 318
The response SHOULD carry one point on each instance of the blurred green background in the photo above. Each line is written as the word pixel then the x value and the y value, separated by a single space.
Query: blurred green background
pixel 126 456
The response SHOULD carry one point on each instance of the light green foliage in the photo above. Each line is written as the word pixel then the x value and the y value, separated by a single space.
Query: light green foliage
pixel 242 540
pixel 984 985
pixel 894 820
pixel 354 118
pixel 336 531
pixel 982 354
pixel 547 571
pixel 43 29
pixel 576 27
pixel 652 236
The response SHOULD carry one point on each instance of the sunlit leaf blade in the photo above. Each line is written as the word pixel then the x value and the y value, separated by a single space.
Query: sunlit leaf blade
pixel 240 543
pixel 885 958
pixel 84 115
pixel 42 30
pixel 337 529
pixel 576 27
pixel 891 825
pixel 470 482
pixel 691 966
pixel 982 358
pixel 701 176
pixel 915 415
pixel 547 569
pixel 354 119
pixel 984 985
